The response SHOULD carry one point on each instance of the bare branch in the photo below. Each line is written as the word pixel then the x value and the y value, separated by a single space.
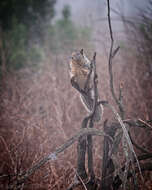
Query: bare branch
pixel 53 156
pixel 136 123
pixel 111 55
pixel 126 135
pixel 138 147
pixel 145 123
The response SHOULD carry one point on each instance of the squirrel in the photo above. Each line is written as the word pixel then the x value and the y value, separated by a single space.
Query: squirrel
pixel 80 67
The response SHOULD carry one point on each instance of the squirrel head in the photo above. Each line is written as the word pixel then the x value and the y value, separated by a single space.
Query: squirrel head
pixel 80 58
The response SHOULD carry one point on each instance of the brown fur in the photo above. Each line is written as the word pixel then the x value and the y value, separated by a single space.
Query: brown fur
pixel 79 69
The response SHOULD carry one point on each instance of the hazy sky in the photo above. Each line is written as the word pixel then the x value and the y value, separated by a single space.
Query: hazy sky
pixel 97 7
pixel 88 12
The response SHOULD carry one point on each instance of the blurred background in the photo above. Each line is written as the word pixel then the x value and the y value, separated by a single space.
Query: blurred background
pixel 39 110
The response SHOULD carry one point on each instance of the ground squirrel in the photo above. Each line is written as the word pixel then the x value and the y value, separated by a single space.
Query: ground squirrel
pixel 80 67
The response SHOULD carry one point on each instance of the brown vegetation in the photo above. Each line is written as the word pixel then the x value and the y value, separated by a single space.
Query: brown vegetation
pixel 39 111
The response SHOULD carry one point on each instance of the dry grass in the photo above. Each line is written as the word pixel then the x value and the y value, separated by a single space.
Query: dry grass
pixel 39 111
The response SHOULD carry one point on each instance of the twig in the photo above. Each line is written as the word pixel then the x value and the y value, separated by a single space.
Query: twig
pixel 126 135
pixel 7 149
pixel 140 158
pixel 82 182
pixel 119 103
pixel 139 147
pixel 144 122
pixel 107 163
pixel 89 137
pixel 115 51
pixel 137 124
pixel 144 167
pixel 53 156
pixel 86 86
pixel 111 55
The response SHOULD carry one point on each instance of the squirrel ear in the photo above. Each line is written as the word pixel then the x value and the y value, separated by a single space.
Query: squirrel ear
pixel 81 51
